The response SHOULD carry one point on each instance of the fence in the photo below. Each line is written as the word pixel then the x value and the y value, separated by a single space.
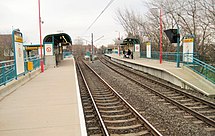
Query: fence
pixel 66 54
pixel 166 56
pixel 200 67
pixel 8 71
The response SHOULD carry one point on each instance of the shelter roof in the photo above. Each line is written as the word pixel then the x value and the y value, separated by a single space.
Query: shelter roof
pixel 58 38
pixel 129 40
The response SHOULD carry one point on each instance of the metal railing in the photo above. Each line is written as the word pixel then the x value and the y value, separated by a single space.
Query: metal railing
pixel 202 68
pixel 66 54
pixel 8 70
pixel 189 60
pixel 166 56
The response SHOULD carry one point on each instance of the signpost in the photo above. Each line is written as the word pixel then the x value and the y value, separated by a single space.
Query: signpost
pixel 174 37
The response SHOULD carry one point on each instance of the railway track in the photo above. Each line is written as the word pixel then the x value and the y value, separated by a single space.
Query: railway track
pixel 106 112
pixel 197 109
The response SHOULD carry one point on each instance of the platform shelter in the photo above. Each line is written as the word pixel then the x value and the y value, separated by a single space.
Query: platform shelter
pixel 54 47
pixel 133 44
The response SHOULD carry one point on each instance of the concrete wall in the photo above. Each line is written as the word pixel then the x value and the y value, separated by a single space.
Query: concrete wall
pixel 50 61
pixel 10 87
pixel 136 55
pixel 158 73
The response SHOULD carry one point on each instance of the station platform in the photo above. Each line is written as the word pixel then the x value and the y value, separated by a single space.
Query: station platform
pixel 169 72
pixel 47 105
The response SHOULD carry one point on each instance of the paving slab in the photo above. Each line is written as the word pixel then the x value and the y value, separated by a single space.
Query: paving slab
pixel 46 105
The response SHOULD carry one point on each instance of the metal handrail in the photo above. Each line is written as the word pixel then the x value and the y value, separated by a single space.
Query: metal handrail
pixel 8 70
pixel 168 56
pixel 201 68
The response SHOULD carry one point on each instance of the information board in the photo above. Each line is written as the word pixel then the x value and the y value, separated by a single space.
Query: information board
pixel 188 50
pixel 19 54
pixel 148 50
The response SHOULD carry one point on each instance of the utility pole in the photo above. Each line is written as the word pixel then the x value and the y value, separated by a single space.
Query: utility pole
pixel 41 54
pixel 92 46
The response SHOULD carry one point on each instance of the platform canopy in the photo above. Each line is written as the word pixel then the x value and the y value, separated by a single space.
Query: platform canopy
pixel 58 38
pixel 129 41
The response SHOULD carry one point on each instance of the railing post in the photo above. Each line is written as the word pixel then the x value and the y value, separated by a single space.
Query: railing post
pixel 3 71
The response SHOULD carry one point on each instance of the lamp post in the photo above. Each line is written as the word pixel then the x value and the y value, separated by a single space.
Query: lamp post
pixel 41 53
pixel 119 42
pixel 92 46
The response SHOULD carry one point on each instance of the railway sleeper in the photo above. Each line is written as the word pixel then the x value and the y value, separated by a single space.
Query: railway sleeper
pixel 120 120
pixel 94 130
pixel 102 93
pixel 199 107
pixel 108 104
pixel 141 133
pixel 113 111
pixel 173 95
pixel 192 104
pixel 128 129
pixel 111 107
pixel 177 97
pixel 117 116
pixel 186 100
pixel 198 122
pixel 127 123
pixel 104 97
pixel 92 124
pixel 209 129
pixel 207 111
pixel 106 100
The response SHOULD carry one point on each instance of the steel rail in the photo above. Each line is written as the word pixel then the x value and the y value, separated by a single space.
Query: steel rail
pixel 154 131
pixel 196 114
pixel 94 103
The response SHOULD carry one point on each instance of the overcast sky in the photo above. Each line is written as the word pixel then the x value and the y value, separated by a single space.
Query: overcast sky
pixel 70 16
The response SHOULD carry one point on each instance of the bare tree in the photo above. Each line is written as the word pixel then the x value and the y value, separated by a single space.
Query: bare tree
pixel 192 17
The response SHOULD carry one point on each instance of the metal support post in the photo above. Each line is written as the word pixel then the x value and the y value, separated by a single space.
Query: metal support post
pixel 178 49
pixel 92 47
pixel 3 72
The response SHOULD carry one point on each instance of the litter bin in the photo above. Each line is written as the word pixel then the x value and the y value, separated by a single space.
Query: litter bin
pixel 30 66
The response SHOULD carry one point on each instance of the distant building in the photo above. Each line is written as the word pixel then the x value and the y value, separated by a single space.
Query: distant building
pixel 82 49
pixel 6 48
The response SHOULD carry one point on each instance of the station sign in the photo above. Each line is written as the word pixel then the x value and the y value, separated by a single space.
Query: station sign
pixel 188 50
pixel 137 47
pixel 31 48
pixel 18 52
pixel 49 49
